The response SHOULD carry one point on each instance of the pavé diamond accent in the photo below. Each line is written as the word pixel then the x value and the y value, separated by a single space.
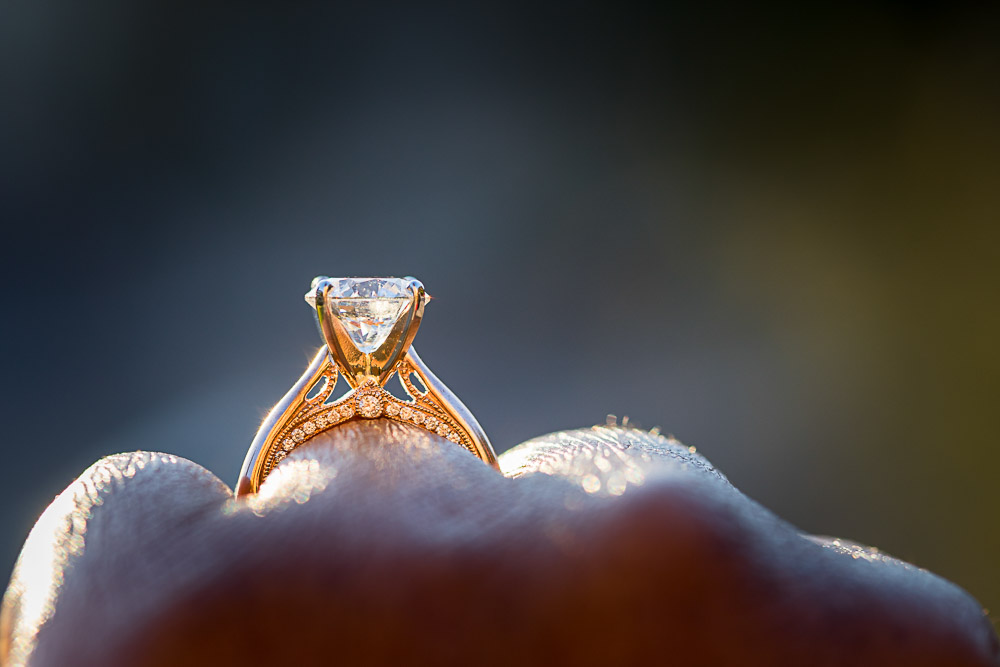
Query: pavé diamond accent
pixel 288 443
pixel 369 406
pixel 309 428
pixel 346 411
pixel 392 409
pixel 406 412
pixel 298 435
pixel 367 307
pixel 454 437
pixel 442 429
pixel 418 417
pixel 431 423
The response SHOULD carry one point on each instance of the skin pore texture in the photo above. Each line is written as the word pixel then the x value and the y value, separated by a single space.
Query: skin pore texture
pixel 380 543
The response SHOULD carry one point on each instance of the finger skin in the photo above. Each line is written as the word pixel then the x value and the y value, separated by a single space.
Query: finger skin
pixel 104 553
pixel 384 544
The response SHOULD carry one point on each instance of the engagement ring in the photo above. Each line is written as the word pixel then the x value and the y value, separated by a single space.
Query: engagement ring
pixel 368 325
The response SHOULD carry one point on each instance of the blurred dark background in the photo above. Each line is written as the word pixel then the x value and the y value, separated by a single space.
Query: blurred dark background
pixel 772 231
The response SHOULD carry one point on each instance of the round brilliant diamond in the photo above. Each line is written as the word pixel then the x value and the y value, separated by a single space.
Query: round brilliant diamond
pixel 369 406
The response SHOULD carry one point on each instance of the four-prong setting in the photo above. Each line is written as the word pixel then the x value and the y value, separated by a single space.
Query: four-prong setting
pixel 368 325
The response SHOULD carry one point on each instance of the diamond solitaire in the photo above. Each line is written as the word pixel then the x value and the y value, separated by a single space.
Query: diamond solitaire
pixel 367 307
pixel 368 325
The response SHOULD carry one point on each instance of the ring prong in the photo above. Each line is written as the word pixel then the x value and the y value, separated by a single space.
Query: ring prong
pixel 363 364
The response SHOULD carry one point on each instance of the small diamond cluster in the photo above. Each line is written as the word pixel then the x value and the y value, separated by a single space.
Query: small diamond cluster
pixel 407 413
pixel 368 404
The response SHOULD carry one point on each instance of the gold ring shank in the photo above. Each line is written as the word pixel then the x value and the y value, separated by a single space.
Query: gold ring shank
pixel 306 410
pixel 368 325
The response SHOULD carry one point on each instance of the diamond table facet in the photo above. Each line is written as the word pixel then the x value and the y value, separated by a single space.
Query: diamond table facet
pixel 367 307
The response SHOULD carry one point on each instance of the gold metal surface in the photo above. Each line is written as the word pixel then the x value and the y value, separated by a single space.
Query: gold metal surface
pixel 308 408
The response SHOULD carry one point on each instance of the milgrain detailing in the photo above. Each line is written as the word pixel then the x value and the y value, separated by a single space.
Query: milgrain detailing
pixel 368 325
pixel 369 401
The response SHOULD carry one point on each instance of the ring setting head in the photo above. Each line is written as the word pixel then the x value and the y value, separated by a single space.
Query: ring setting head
pixel 367 307
pixel 368 323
